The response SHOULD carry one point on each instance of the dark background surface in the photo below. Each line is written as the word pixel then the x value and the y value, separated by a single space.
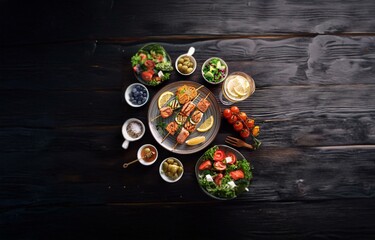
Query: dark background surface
pixel 65 66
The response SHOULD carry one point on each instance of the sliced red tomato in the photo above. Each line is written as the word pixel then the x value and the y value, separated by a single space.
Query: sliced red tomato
pixel 219 155
pixel 237 174
pixel 205 165
pixel 219 165
pixel 218 179
pixel 150 64
pixel 147 75
pixel 233 156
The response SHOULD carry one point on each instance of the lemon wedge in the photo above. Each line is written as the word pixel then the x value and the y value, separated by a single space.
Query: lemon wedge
pixel 196 140
pixel 164 97
pixel 231 87
pixel 206 125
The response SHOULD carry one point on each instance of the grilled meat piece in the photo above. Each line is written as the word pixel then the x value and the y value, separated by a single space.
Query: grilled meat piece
pixel 190 126
pixel 181 118
pixel 203 105
pixel 172 128
pixel 166 112
pixel 187 108
pixel 182 136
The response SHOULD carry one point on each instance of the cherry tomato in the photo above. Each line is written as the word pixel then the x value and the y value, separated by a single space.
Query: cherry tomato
pixel 232 119
pixel 233 156
pixel 205 165
pixel 255 131
pixel 238 126
pixel 147 75
pixel 219 155
pixel 159 57
pixel 249 123
pixel 237 174
pixel 227 113
pixel 245 133
pixel 219 165
pixel 234 109
pixel 150 64
pixel 243 116
pixel 218 179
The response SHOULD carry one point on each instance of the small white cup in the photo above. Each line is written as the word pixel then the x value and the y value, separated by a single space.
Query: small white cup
pixel 127 137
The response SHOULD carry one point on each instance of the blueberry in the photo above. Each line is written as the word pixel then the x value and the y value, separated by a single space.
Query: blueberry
pixel 139 102
pixel 131 98
pixel 134 90
pixel 145 94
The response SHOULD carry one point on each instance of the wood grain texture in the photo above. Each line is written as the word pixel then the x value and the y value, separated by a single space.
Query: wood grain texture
pixel 64 68
pixel 25 23
pixel 275 220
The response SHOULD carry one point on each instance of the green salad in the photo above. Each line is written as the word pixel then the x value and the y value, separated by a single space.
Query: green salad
pixel 152 64
pixel 215 70
pixel 221 174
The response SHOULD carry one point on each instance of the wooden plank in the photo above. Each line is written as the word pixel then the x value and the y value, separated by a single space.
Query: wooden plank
pixel 93 66
pixel 107 19
pixel 92 177
pixel 339 219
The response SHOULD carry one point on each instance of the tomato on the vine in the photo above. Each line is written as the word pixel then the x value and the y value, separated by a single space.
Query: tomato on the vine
pixel 232 119
pixel 205 165
pixel 218 179
pixel 227 113
pixel 250 123
pixel 234 109
pixel 243 116
pixel 238 126
pixel 237 174
pixel 245 133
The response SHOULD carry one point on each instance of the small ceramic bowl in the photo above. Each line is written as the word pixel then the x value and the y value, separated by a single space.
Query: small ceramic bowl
pixel 208 77
pixel 171 170
pixel 136 95
pixel 186 64
pixel 127 133
pixel 140 155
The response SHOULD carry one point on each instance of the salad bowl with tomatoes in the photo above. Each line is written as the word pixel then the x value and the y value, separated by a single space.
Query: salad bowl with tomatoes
pixel 152 65
pixel 223 172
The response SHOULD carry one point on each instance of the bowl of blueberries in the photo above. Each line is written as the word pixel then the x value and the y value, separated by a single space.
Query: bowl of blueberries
pixel 136 95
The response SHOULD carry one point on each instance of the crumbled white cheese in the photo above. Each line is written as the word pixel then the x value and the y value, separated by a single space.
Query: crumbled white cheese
pixel 209 178
pixel 228 159
pixel 231 184
pixel 160 74
pixel 246 189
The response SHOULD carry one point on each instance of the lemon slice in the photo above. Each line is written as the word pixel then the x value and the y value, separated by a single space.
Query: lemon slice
pixel 206 125
pixel 231 87
pixel 241 90
pixel 164 97
pixel 196 140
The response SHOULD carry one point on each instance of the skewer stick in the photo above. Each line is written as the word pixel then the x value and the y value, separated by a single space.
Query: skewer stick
pixel 199 87
pixel 165 138
pixel 207 96
pixel 195 97
pixel 155 118
pixel 175 145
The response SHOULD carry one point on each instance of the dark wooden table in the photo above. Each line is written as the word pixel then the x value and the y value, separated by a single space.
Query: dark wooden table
pixel 65 66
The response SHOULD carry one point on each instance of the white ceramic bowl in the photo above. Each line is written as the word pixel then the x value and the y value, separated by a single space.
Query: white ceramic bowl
pixel 128 93
pixel 164 176
pixel 226 70
pixel 139 156
pixel 192 59
pixel 129 138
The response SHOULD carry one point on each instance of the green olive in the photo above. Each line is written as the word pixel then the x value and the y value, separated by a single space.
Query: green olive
pixel 186 63
pixel 179 170
pixel 189 70
pixel 181 60
pixel 170 160
pixel 187 59
pixel 179 65
pixel 184 68
pixel 191 64
pixel 165 166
